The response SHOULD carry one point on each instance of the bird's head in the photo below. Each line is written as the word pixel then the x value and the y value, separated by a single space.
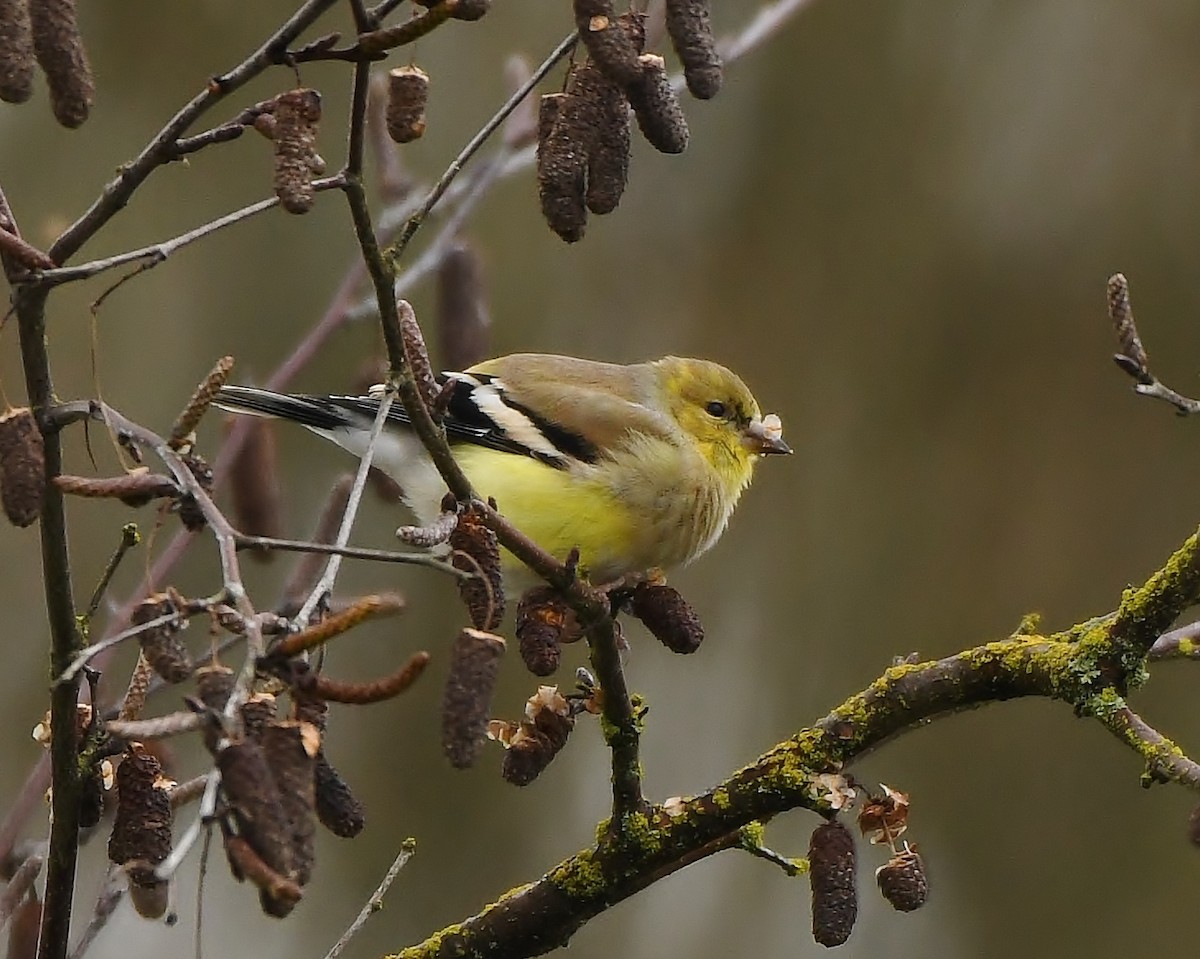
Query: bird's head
pixel 717 409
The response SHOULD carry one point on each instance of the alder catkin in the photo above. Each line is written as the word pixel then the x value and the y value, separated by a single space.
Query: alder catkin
pixel 16 51
pixel 832 872
pixel 467 700
pixel 659 115
pixel 408 93
pixel 60 53
pixel 297 113
pixel 562 166
pixel 690 27
pixel 22 467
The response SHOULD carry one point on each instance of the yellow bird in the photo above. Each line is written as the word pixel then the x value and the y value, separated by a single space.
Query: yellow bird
pixel 636 466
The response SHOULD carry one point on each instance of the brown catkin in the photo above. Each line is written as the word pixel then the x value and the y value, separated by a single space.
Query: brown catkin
pixel 141 833
pixel 198 403
pixel 408 93
pixel 477 551
pixel 338 809
pixel 255 803
pixel 537 745
pixel 562 157
pixel 291 750
pixel 467 700
pixel 22 467
pixel 161 645
pixel 16 51
pixel 832 872
pixel 464 325
pixel 604 114
pixel 903 882
pixel 254 485
pixel 610 46
pixel 659 115
pixel 297 113
pixel 668 616
pixel 59 51
pixel 542 618
pixel 690 26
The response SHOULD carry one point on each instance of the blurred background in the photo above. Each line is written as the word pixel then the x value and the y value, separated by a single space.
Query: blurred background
pixel 896 222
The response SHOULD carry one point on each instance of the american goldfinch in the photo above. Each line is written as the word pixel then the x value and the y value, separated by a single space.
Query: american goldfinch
pixel 637 466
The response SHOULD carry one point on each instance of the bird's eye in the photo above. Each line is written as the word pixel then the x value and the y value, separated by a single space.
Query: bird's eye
pixel 715 409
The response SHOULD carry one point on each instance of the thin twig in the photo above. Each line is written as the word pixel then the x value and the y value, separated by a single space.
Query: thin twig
pixel 130 537
pixel 375 903
pixel 21 882
pixel 348 552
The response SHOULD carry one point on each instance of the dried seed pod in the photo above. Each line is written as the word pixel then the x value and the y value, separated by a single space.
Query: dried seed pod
pixel 59 51
pixel 190 513
pixel 903 882
pixel 91 794
pixel 668 616
pixel 277 894
pixel 562 166
pixel 544 622
pixel 659 115
pixel 690 26
pixel 477 551
pixel 291 750
pixel 539 738
pixel 463 322
pixel 471 9
pixel 338 809
pixel 214 683
pixel 297 113
pixel 608 159
pixel 255 803
pixel 254 485
pixel 161 645
pixel 408 93
pixel 610 46
pixel 257 712
pixel 467 701
pixel 141 834
pixel 184 428
pixel 832 872
pixel 22 466
pixel 16 51
pixel 883 819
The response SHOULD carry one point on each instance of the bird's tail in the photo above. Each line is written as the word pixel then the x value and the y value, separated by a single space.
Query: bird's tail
pixel 315 412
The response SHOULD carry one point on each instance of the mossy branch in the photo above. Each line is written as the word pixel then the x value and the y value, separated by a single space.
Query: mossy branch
pixel 1085 667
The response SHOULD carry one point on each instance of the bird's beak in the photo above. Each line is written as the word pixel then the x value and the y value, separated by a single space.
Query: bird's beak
pixel 765 435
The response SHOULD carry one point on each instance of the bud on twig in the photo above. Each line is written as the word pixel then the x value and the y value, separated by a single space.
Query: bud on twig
pixel 476 550
pixel 902 881
pixel 297 113
pixel 408 92
pixel 467 701
pixel 832 871
pixel 59 50
pixel 668 616
pixel 1132 358
pixel 185 425
pixel 22 467
pixel 690 27
pixel 16 51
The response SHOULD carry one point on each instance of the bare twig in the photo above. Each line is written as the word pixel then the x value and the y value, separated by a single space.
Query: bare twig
pixel 375 903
